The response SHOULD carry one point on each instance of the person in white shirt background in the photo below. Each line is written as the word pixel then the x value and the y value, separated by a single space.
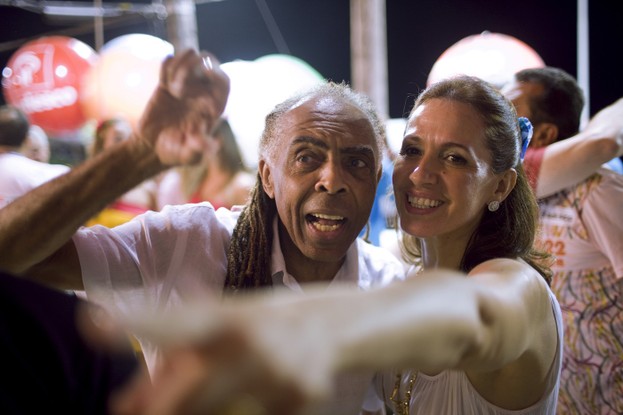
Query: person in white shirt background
pixel 18 173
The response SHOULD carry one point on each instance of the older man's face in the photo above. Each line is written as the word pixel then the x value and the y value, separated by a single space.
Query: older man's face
pixel 323 177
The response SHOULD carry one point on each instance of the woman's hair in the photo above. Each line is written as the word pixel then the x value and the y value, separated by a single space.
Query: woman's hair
pixel 229 154
pixel 250 250
pixel 510 231
pixel 229 158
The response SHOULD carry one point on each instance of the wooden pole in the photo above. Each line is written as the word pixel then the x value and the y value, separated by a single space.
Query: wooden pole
pixel 182 24
pixel 369 51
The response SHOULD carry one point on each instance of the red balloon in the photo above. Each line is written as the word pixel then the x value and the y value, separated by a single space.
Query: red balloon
pixel 44 79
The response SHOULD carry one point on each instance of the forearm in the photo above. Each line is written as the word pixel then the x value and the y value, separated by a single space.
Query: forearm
pixel 418 323
pixel 309 339
pixel 435 321
pixel 571 161
pixel 37 224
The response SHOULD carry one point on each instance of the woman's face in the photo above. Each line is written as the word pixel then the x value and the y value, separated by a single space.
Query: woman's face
pixel 442 177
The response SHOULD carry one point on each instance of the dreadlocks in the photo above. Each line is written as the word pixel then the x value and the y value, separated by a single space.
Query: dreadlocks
pixel 248 259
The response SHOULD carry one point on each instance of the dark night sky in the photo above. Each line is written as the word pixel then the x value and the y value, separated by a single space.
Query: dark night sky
pixel 317 31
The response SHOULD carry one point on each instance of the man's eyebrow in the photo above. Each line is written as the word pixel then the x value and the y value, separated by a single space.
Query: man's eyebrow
pixel 365 150
pixel 362 149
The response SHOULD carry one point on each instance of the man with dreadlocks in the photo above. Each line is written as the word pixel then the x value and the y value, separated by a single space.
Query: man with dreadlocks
pixel 320 161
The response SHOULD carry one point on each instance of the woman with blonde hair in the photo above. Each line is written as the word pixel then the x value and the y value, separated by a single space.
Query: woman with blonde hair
pixel 221 176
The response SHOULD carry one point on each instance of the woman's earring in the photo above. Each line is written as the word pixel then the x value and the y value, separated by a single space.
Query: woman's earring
pixel 493 206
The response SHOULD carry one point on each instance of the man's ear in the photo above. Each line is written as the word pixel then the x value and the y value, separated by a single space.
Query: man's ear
pixel 545 133
pixel 267 178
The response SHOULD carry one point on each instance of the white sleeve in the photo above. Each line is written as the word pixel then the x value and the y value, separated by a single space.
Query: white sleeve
pixel 156 259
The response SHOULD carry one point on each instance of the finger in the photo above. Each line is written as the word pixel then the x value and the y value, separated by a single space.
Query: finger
pixel 219 82
pixel 187 377
pixel 165 70
pixel 180 60
pixel 100 329
pixel 167 146
pixel 179 148
pixel 187 58
pixel 193 150
pixel 210 64
pixel 188 67
pixel 194 75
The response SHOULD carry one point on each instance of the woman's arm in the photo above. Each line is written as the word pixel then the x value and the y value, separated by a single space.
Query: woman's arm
pixel 433 321
pixel 441 320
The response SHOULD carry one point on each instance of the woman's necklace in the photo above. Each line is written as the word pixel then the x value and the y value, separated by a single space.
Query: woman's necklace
pixel 402 406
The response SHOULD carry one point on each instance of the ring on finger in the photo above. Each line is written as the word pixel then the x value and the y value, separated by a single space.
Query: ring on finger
pixel 207 62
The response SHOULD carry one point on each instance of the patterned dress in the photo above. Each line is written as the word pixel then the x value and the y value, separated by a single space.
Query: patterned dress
pixel 582 227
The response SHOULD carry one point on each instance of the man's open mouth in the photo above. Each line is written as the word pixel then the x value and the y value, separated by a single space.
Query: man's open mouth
pixel 325 223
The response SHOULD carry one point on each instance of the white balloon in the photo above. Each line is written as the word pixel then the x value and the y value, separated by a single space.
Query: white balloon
pixel 395 130
pixel 255 88
pixel 124 77
pixel 494 57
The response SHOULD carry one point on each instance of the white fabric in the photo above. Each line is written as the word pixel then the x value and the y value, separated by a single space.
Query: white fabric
pixel 583 225
pixel 451 393
pixel 163 258
pixel 170 190
pixel 19 175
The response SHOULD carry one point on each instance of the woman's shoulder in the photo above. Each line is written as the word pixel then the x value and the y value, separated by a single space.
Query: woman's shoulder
pixel 514 272
pixel 501 264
